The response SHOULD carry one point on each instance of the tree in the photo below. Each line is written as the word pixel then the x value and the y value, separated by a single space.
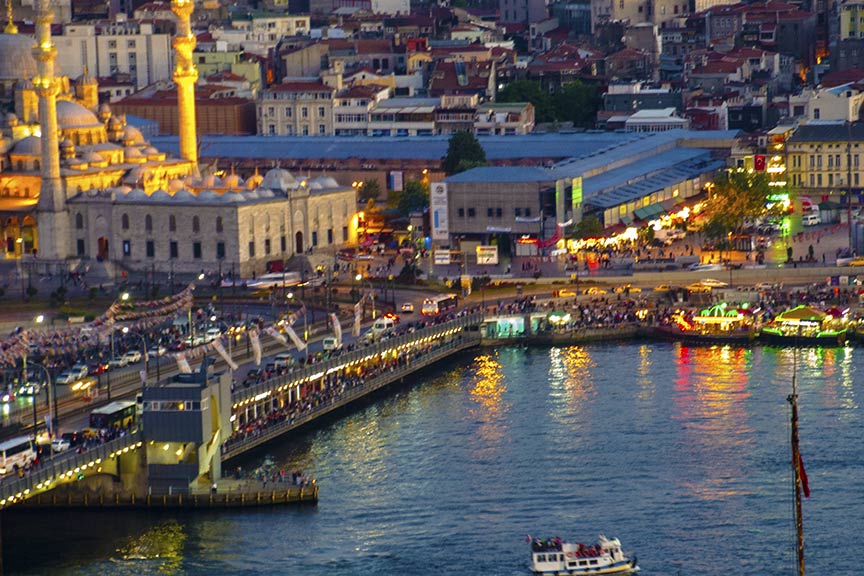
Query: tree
pixel 369 190
pixel 414 198
pixel 463 151
pixel 588 227
pixel 736 197
pixel 530 91
pixel 577 103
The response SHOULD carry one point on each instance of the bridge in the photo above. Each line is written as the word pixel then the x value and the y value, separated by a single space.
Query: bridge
pixel 122 460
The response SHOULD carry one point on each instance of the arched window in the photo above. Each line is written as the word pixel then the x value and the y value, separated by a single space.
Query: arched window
pixel 148 223
pixel 79 221
pixel 172 223
pixel 219 226
pixel 196 225
pixel 124 222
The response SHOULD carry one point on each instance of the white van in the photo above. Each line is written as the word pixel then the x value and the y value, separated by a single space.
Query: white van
pixel 331 343
pixel 811 219
pixel 284 360
pixel 383 326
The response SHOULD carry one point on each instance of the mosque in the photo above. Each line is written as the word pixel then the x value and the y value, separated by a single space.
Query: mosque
pixel 78 184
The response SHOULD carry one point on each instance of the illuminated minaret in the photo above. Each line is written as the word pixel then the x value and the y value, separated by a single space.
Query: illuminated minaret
pixel 10 27
pixel 185 76
pixel 53 219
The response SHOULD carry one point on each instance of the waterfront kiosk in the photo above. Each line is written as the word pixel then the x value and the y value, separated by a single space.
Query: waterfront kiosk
pixel 186 420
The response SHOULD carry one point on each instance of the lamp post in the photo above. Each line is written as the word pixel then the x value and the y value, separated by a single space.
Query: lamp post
pixel 126 331
pixel 48 391
pixel 359 278
pixel 291 296
pixel 123 298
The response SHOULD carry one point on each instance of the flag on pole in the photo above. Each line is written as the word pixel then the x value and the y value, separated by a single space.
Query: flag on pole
pixel 358 313
pixel 275 334
pixel 337 328
pixel 295 339
pixel 183 364
pixel 256 346
pixel 217 345
pixel 805 485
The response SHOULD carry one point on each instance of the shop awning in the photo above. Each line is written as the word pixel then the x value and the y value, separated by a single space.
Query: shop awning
pixel 649 212
pixel 626 219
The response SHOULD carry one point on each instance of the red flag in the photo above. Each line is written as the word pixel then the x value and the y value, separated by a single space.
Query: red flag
pixel 759 162
pixel 803 475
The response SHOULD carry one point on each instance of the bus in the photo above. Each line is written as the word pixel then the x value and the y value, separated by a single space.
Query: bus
pixel 16 452
pixel 439 304
pixel 120 414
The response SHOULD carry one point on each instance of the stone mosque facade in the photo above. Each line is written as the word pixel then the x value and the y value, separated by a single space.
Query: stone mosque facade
pixel 78 185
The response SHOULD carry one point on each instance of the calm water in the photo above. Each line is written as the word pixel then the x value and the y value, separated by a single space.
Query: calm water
pixel 681 452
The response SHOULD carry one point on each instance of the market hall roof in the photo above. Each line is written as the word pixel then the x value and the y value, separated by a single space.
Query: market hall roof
pixel 828 131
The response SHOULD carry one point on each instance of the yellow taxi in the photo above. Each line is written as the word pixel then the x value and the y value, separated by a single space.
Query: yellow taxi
pixel 593 291
pixel 565 293
pixel 627 288
pixel 664 288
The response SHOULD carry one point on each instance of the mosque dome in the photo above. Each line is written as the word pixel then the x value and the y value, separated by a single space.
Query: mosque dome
pixel 328 182
pixel 132 135
pixel 17 62
pixel 211 181
pixel 279 179
pixel 73 115
pixel 183 196
pixel 176 184
pixel 30 146
pixel 233 181
pixel 133 153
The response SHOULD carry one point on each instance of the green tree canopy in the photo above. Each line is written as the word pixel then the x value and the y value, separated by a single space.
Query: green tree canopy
pixel 370 190
pixel 530 91
pixel 414 198
pixel 463 151
pixel 736 197
pixel 588 227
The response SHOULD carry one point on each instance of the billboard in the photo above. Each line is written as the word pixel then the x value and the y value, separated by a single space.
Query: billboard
pixel 442 257
pixel 396 181
pixel 487 254
pixel 438 211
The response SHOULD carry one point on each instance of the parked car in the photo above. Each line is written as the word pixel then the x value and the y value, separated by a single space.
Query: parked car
pixel 65 378
pixel 60 445
pixel 594 291
pixel 132 356
pixel 156 351
pixel 664 288
pixel 80 370
pixel 565 293
pixel 628 289
pixel 711 282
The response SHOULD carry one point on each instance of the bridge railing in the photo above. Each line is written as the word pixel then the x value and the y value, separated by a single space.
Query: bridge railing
pixel 234 447
pixel 302 374
pixel 62 464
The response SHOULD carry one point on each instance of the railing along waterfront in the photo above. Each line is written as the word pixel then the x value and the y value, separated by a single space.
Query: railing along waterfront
pixel 301 375
pixel 65 467
pixel 461 340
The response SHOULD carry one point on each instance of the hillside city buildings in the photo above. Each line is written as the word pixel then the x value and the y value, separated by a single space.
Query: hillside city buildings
pixel 264 118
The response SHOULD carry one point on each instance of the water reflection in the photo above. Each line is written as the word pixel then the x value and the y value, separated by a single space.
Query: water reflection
pixel 487 391
pixel 710 405
pixel 162 544
pixel 571 380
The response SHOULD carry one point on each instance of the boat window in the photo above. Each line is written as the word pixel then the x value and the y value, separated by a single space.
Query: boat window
pixel 541 558
pixel 592 562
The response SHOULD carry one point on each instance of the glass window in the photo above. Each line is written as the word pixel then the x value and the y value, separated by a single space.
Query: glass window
pixel 151 249
pixel 148 223
pixel 196 224
pixel 314 238
pixel 219 226
pixel 251 248
pixel 266 246
pixel 172 223
pixel 172 247
pixel 472 213
pixel 124 221
pixel 127 248
pixel 196 250
pixel 79 221
pixel 81 245
pixel 220 250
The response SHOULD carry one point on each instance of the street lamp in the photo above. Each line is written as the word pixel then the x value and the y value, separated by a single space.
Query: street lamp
pixel 123 298
pixel 126 331
pixel 360 278
pixel 48 391
pixel 290 296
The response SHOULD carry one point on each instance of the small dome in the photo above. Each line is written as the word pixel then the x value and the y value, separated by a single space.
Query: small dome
pixel 327 182
pixel 93 157
pixel 279 179
pixel 183 196
pixel 115 122
pixel 17 61
pixel 135 195
pixel 314 185
pixel 208 196
pixel 132 135
pixel 211 181
pixel 160 196
pixel 30 146
pixel 251 195
pixel 73 115
pixel 133 153
pixel 105 108
pixel 135 175
pixel 175 185
pixel 150 150
pixel 233 181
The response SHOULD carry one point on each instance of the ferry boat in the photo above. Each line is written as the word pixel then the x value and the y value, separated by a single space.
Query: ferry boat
pixel 557 557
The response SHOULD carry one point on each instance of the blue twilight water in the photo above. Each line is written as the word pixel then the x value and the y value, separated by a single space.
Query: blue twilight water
pixel 682 452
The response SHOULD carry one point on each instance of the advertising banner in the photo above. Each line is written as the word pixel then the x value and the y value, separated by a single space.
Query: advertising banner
pixel 438 211
pixel 487 255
